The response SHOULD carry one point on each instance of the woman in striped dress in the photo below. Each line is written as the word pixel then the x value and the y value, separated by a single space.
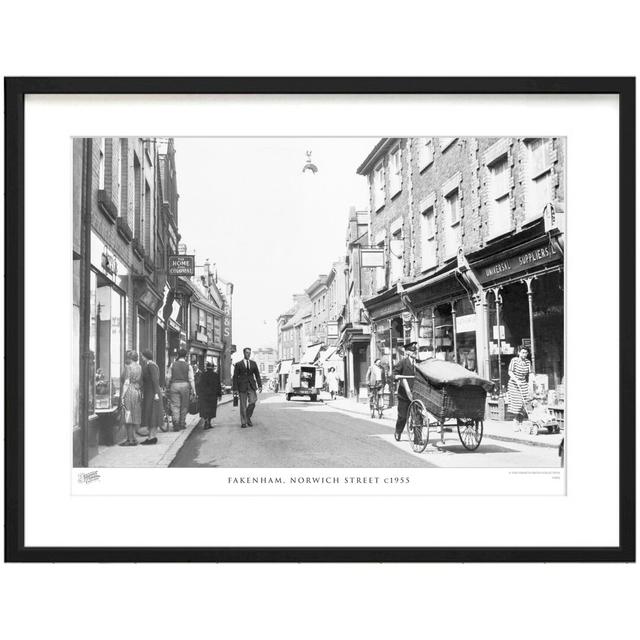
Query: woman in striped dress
pixel 518 389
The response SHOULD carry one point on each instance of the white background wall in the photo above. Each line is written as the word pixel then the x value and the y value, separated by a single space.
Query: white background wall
pixel 365 601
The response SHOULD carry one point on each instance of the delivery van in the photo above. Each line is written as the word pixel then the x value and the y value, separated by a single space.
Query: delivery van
pixel 304 380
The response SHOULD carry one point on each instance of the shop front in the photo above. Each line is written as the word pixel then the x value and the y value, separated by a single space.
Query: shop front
pixel 392 325
pixel 108 284
pixel 524 299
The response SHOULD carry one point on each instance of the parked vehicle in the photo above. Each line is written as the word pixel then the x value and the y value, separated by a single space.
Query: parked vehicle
pixel 304 380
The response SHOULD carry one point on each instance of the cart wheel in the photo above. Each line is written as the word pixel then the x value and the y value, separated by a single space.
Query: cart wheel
pixel 418 426
pixel 533 430
pixel 470 433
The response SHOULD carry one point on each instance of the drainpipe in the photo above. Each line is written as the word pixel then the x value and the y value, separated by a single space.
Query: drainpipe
pixel 85 296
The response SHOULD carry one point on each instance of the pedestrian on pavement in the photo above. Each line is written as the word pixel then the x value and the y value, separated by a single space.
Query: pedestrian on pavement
pixel 152 412
pixel 518 388
pixel 131 397
pixel 246 381
pixel 376 377
pixel 181 383
pixel 196 372
pixel 332 382
pixel 209 391
pixel 405 367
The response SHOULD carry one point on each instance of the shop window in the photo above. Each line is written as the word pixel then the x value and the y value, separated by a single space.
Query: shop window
pixel 106 343
pixel 466 334
pixel 539 191
pixel 425 153
pixel 548 331
pixel 378 187
pixel 444 333
pixel 395 172
pixel 426 341
pixel 428 229
pixel 499 190
pixel 452 223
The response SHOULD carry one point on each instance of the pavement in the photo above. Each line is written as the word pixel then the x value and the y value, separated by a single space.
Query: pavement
pixel 496 429
pixel 157 455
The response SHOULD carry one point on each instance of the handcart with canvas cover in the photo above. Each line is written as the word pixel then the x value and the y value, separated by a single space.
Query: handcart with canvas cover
pixel 445 391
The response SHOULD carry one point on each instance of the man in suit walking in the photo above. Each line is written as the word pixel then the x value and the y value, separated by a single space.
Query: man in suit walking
pixel 405 367
pixel 246 382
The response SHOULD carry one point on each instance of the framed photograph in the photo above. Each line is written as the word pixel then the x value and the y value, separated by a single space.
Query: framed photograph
pixel 320 319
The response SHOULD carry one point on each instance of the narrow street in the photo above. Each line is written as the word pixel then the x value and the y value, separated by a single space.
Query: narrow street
pixel 304 434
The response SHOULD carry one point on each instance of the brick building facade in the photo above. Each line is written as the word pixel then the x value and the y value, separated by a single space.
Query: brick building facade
pixel 472 234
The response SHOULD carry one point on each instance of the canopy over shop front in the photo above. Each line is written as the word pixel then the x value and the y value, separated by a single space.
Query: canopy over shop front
pixel 311 353
pixel 285 367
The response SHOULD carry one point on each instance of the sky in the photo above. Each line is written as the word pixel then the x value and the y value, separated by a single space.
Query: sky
pixel 271 229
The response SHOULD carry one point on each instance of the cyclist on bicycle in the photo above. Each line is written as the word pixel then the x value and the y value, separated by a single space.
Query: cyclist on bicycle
pixel 376 379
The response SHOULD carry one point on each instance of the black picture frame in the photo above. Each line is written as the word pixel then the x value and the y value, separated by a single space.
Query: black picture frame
pixel 15 91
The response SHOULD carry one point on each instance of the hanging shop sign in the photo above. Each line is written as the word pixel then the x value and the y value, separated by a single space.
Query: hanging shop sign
pixel 182 265
pixel 465 324
pixel 533 258
pixel 371 258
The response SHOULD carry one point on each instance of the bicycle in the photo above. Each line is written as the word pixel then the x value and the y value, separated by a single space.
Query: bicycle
pixel 376 401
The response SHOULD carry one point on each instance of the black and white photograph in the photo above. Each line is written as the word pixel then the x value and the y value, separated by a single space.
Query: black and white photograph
pixel 319 302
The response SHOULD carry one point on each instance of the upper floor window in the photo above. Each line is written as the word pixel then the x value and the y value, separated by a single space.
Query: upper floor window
pixel 428 248
pixel 499 189
pixel 396 256
pixel 539 188
pixel 381 271
pixel 378 187
pixel 395 172
pixel 102 163
pixel 445 143
pixel 452 222
pixel 425 152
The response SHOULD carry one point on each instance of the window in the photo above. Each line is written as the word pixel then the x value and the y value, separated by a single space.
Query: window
pixel 446 142
pixel 395 172
pixel 396 256
pixel 137 196
pixel 378 188
pixel 217 329
pixel 499 204
pixel 210 333
pixel 539 188
pixel 428 239
pixel 122 179
pixel 425 152
pixel 452 223
pixel 102 163
pixel 270 368
pixel 106 344
pixel 147 216
pixel 381 271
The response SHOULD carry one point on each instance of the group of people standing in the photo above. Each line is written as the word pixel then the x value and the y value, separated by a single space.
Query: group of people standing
pixel 141 395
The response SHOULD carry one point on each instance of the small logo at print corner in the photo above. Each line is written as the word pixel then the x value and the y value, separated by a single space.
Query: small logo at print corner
pixel 88 477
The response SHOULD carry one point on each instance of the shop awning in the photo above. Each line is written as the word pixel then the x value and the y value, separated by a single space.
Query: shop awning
pixel 327 354
pixel 311 353
pixel 285 367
